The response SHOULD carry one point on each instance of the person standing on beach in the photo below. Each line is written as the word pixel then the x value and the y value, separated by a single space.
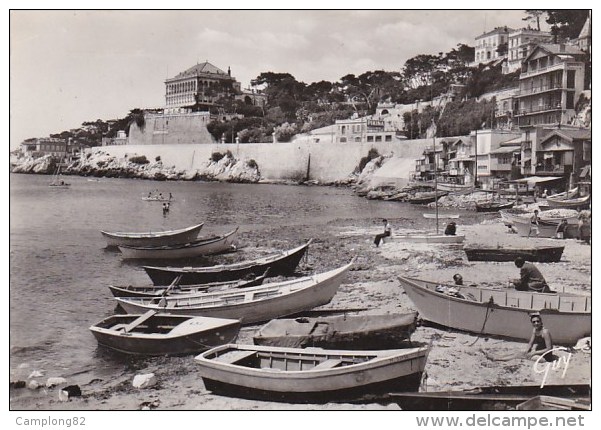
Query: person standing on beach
pixel 451 229
pixel 561 229
pixel 387 232
pixel 531 279
pixel 534 220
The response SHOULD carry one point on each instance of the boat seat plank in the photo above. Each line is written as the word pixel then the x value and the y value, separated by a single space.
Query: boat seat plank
pixel 328 364
pixel 140 320
pixel 232 357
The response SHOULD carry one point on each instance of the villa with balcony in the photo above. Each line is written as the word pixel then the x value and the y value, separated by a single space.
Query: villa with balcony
pixel 551 80
pixel 563 152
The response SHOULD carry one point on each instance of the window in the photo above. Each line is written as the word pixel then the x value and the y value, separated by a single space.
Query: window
pixel 571 78
pixel 343 140
pixel 370 138
pixel 357 139
pixel 378 138
pixel 388 138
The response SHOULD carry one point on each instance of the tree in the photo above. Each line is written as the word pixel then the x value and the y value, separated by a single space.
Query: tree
pixel 502 49
pixel 566 23
pixel 533 15
pixel 418 70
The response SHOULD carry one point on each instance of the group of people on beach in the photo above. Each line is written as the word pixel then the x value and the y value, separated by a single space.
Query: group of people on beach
pixel 531 279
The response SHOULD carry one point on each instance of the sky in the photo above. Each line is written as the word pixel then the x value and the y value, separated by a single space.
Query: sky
pixel 71 66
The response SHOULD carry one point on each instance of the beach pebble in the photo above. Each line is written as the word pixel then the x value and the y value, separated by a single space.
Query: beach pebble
pixel 144 381
pixel 71 391
pixel 51 382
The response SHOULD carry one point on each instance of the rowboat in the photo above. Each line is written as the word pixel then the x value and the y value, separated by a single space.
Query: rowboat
pixel 196 248
pixel 561 196
pixel 546 228
pixel 579 202
pixel 160 290
pixel 310 375
pixel 493 206
pixel 430 238
pixel 440 216
pixel 163 334
pixel 502 397
pixel 503 313
pixel 157 238
pixel 425 198
pixel 280 264
pixel 385 331
pixel 541 254
pixel 454 188
pixel 249 305
pixel 157 199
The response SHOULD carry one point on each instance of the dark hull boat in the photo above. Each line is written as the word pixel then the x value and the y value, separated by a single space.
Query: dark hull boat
pixel 160 290
pixel 541 254
pixel 493 206
pixel 281 264
pixel 386 331
pixel 485 398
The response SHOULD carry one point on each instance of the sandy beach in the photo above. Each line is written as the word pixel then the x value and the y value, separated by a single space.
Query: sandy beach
pixel 457 360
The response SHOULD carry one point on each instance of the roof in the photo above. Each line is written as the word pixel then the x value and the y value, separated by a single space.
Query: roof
pixel 586 28
pixel 506 150
pixel 205 68
pixel 569 134
pixel 511 142
pixel 533 180
pixel 497 30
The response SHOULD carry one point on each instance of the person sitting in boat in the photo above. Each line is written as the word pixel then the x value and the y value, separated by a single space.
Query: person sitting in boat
pixel 149 194
pixel 458 279
pixel 534 220
pixel 451 229
pixel 545 194
pixel 387 232
pixel 561 229
pixel 531 279
pixel 540 342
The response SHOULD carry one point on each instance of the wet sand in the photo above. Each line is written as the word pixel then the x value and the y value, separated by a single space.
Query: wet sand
pixel 457 360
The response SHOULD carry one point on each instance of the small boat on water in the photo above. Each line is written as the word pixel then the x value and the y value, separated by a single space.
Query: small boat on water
pixel 158 199
pixel 196 248
pixel 430 238
pixel 250 305
pixel 160 290
pixel 386 331
pixel 281 264
pixel 503 313
pixel 503 397
pixel 310 375
pixel 454 188
pixel 493 206
pixel 541 254
pixel 154 333
pixel 152 238
pixel 57 180
pixel 440 216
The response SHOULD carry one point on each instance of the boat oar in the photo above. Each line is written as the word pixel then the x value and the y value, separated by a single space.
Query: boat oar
pixel 152 312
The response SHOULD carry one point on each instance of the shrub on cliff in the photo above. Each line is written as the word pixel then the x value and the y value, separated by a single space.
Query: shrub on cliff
pixel 139 159
pixel 216 156
pixel 285 132
pixel 371 154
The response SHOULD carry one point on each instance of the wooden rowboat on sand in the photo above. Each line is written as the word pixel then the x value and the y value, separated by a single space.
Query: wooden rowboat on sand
pixel 250 305
pixel 429 238
pixel 309 375
pixel 152 238
pixel 196 248
pixel 503 313
pixel 541 254
pixel 280 264
pixel 385 331
pixel 163 334
pixel 160 290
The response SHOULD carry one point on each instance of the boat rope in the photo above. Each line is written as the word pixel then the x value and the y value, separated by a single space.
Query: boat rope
pixel 488 307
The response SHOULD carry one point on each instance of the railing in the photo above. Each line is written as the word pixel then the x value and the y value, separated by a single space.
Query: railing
pixel 538 109
pixel 545 69
pixel 558 168
pixel 540 89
